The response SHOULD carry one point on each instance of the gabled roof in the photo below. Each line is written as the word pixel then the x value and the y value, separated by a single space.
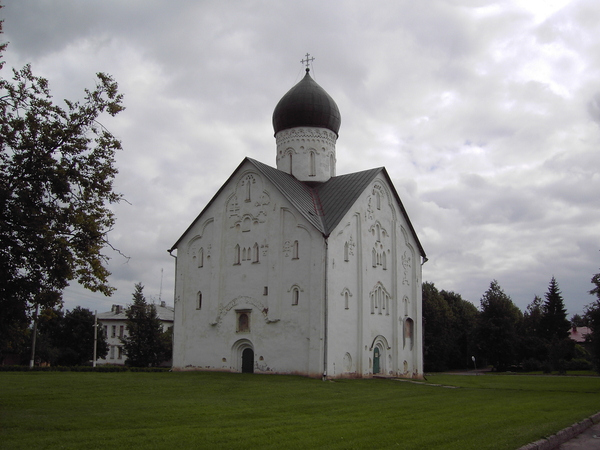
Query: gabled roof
pixel 323 205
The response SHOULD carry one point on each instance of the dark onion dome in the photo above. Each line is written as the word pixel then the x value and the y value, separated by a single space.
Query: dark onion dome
pixel 306 105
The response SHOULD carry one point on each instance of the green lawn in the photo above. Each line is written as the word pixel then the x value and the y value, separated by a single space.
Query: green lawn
pixel 47 410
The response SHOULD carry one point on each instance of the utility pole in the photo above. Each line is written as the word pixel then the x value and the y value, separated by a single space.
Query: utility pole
pixel 95 336
pixel 35 319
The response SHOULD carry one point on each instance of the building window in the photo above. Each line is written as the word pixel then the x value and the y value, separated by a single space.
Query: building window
pixel 346 301
pixel 266 290
pixel 290 155
pixel 255 253
pixel 121 331
pixel 246 224
pixel 312 164
pixel 112 352
pixel 199 301
pixel 295 250
pixel 346 258
pixel 295 296
pixel 201 258
pixel 113 331
pixel 374 257
pixel 384 260
pixel 243 321
pixel 119 352
pixel 236 255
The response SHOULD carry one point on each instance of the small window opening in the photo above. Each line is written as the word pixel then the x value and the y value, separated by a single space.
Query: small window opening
pixel 236 255
pixel 243 322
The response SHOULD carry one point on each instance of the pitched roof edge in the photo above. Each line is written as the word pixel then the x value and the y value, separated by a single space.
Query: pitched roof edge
pixel 214 197
pixel 310 191
pixel 404 213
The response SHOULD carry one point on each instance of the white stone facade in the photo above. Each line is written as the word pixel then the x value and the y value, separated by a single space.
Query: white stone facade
pixel 307 153
pixel 295 270
pixel 253 273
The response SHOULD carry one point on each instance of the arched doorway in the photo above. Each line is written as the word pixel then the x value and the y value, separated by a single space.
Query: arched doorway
pixel 376 360
pixel 247 360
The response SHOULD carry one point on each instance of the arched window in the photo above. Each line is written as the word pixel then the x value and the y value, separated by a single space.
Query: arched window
pixel 248 189
pixel 384 260
pixel 295 296
pixel 312 164
pixel 290 159
pixel 255 253
pixel 236 254
pixel 378 200
pixel 243 322
pixel 201 257
pixel 374 255
pixel 244 256
pixel 346 252
pixel 295 250
pixel 346 301
pixel 199 300
pixel 409 330
pixel 246 224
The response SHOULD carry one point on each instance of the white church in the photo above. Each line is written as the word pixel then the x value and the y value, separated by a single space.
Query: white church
pixel 295 270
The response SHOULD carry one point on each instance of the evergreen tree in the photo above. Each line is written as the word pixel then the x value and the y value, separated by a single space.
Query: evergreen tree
pixel 554 323
pixel 592 315
pixel 533 343
pixel 146 345
pixel 499 325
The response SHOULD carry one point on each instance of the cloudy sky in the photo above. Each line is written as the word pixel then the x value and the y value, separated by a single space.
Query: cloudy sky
pixel 486 115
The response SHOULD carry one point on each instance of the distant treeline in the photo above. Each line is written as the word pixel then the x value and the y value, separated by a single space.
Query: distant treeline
pixel 458 335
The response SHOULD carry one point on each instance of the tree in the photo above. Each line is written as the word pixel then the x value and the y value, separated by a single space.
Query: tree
pixel 533 344
pixel 56 181
pixel 578 321
pixel 463 328
pixel 592 315
pixel 437 324
pixel 146 345
pixel 67 339
pixel 500 321
pixel 554 323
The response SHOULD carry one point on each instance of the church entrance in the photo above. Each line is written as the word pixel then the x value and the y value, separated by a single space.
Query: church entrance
pixel 248 360
pixel 376 362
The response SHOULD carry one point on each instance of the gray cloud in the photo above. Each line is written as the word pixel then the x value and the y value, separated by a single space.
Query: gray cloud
pixel 485 114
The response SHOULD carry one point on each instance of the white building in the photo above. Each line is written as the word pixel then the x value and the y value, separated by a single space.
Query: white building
pixel 295 270
pixel 114 323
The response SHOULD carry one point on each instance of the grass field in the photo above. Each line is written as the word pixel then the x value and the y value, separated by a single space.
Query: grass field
pixel 218 410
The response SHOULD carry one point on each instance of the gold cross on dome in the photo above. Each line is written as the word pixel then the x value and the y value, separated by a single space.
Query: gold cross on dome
pixel 307 60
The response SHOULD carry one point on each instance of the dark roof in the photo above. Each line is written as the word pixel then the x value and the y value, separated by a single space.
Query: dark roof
pixel 323 205
pixel 306 105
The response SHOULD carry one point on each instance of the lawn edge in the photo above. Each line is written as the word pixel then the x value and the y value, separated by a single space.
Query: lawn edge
pixel 562 436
